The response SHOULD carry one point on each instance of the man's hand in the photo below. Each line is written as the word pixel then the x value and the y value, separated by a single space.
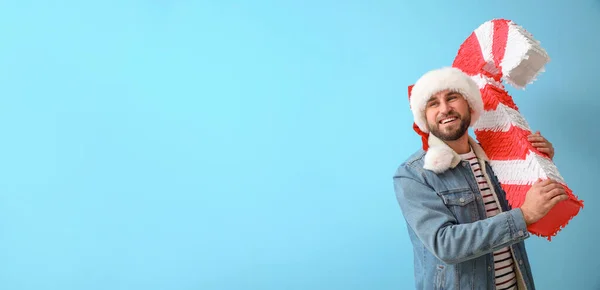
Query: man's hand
pixel 541 198
pixel 541 144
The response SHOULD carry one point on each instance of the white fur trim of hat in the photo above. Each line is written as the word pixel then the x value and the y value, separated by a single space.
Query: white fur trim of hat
pixel 447 78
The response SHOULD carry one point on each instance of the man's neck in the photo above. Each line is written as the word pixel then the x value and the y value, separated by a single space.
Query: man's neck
pixel 461 145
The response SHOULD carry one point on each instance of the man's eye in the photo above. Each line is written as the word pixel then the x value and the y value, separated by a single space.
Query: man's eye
pixel 432 104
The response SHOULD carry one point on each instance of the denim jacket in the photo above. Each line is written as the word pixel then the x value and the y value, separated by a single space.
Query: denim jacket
pixel 453 241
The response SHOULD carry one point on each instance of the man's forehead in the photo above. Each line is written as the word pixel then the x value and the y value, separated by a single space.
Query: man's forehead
pixel 443 94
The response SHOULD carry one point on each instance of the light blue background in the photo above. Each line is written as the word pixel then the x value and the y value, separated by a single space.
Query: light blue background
pixel 251 144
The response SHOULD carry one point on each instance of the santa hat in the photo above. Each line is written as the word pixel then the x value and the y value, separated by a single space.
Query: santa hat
pixel 447 78
pixel 432 82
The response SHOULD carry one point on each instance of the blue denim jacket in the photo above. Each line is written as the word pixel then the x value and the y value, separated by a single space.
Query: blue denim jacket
pixel 453 241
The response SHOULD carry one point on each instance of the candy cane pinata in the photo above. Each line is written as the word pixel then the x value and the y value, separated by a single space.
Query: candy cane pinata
pixel 501 50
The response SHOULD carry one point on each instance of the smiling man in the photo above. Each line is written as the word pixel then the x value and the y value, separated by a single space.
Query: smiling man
pixel 463 231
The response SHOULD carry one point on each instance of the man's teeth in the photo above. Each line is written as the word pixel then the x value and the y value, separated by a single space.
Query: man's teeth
pixel 448 120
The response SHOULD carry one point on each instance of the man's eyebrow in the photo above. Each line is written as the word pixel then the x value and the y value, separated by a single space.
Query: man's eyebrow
pixel 431 99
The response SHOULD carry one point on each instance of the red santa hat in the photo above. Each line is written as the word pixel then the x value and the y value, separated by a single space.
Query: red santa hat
pixel 432 82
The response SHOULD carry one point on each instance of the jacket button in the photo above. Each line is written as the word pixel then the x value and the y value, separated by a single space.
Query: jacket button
pixel 520 262
pixel 461 199
pixel 520 233
pixel 489 268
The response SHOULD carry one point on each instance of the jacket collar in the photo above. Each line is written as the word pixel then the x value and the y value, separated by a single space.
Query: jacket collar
pixel 440 157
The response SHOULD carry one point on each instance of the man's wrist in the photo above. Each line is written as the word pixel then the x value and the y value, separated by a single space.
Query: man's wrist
pixel 527 217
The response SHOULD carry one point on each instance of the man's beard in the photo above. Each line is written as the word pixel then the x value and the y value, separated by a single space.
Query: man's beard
pixel 454 134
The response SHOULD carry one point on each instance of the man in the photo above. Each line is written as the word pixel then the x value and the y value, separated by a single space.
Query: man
pixel 464 233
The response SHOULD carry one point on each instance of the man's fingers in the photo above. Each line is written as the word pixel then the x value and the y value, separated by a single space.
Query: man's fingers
pixel 540 144
pixel 552 186
pixel 535 138
pixel 555 192
pixel 555 200
pixel 545 150
pixel 544 182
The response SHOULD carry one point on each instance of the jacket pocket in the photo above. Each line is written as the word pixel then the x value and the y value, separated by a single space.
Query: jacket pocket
pixel 461 202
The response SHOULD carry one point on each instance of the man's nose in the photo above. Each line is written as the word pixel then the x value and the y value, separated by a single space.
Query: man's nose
pixel 444 107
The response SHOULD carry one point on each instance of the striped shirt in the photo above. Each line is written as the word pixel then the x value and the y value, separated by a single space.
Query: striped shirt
pixel 505 275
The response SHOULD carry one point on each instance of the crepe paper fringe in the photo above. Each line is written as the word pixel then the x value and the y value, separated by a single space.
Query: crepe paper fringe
pixel 501 119
pixel 509 145
pixel 500 50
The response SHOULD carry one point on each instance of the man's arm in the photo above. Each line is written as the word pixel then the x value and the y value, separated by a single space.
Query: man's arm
pixel 441 233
